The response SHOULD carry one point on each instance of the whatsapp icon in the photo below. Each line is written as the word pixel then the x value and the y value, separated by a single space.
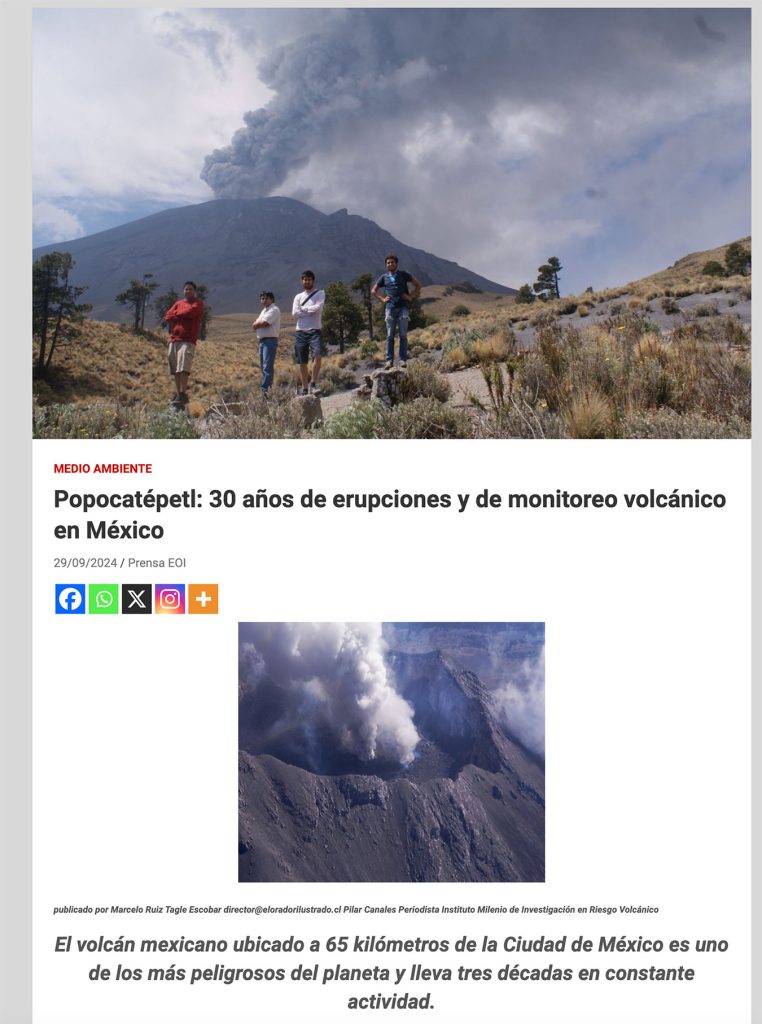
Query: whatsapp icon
pixel 103 599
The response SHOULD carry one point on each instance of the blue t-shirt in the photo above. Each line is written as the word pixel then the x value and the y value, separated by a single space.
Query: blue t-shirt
pixel 395 286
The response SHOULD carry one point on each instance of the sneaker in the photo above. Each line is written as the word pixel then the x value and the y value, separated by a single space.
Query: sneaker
pixel 301 392
pixel 184 398
pixel 314 389
pixel 388 364
pixel 403 364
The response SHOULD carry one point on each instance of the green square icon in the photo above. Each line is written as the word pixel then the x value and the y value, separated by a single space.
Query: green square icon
pixel 103 598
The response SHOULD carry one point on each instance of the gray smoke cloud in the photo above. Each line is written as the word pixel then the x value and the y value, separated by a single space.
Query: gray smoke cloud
pixel 396 86
pixel 323 688
pixel 520 703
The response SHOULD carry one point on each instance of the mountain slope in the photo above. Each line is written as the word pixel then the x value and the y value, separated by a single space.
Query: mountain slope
pixel 237 247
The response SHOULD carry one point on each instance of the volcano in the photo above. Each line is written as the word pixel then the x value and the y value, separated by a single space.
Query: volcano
pixel 468 807
pixel 238 247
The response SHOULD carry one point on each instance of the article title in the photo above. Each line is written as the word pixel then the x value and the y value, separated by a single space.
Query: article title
pixel 264 500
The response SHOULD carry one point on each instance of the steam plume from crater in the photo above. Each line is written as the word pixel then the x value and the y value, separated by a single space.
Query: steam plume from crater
pixel 521 703
pixel 323 692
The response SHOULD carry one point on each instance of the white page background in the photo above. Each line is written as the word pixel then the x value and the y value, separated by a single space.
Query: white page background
pixel 647 720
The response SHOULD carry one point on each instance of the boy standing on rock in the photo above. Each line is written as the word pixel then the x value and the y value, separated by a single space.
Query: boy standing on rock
pixel 397 298
pixel 308 310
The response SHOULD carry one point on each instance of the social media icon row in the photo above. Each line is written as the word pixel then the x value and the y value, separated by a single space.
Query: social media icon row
pixel 137 598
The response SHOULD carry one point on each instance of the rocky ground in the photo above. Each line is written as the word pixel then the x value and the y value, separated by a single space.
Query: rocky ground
pixel 469 381
pixel 469 808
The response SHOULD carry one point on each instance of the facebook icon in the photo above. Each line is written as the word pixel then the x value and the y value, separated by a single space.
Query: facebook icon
pixel 70 598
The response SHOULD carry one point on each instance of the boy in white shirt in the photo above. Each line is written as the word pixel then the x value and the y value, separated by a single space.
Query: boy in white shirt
pixel 308 310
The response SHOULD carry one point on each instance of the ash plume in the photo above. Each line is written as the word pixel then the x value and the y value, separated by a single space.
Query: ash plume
pixel 520 703
pixel 323 693
pixel 358 87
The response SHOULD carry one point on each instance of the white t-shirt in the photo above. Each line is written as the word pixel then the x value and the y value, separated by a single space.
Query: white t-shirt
pixel 308 313
pixel 272 316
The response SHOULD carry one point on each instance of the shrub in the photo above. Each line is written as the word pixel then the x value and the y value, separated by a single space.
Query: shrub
pixel 423 381
pixel 368 349
pixel 509 413
pixel 247 414
pixel 544 318
pixel 456 359
pixel 713 269
pixel 737 259
pixel 425 418
pixel 589 415
pixel 669 306
pixel 459 348
pixel 525 295
pixel 101 420
pixel 706 309
pixel 495 346
pixel 460 310
pixel 666 423
pixel 361 419
pixel 336 378
pixel 344 360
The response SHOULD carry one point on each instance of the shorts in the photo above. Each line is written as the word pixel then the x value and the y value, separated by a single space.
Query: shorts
pixel 307 343
pixel 180 356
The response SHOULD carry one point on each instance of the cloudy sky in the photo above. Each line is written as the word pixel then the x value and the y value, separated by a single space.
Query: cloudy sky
pixel 618 140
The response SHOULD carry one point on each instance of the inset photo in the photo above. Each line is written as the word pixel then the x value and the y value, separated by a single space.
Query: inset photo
pixel 391 752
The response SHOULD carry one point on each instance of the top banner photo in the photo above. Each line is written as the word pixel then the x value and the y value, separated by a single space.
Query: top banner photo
pixel 330 223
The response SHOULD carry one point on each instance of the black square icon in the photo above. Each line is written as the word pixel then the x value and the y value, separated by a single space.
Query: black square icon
pixel 136 599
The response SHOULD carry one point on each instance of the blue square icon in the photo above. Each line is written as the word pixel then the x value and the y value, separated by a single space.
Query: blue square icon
pixel 70 598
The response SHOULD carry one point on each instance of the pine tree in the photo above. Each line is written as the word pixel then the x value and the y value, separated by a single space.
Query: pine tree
pixel 737 259
pixel 56 313
pixel 525 294
pixel 202 290
pixel 363 284
pixel 137 296
pixel 162 303
pixel 546 285
pixel 342 317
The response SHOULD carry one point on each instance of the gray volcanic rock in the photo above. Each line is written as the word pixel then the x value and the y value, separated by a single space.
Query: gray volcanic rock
pixel 469 808
pixel 237 247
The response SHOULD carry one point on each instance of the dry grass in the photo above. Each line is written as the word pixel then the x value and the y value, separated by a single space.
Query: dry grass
pixel 589 415
pixel 599 377
pixel 109 362
pixel 614 377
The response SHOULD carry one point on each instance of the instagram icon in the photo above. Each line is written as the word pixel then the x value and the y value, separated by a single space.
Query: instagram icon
pixel 169 599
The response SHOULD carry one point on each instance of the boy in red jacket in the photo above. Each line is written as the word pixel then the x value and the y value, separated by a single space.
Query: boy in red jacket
pixel 184 319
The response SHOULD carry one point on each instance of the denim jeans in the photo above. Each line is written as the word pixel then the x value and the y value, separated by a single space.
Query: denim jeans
pixel 267 349
pixel 396 318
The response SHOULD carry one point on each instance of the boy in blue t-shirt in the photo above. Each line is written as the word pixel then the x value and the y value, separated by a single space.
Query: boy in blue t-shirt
pixel 396 298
